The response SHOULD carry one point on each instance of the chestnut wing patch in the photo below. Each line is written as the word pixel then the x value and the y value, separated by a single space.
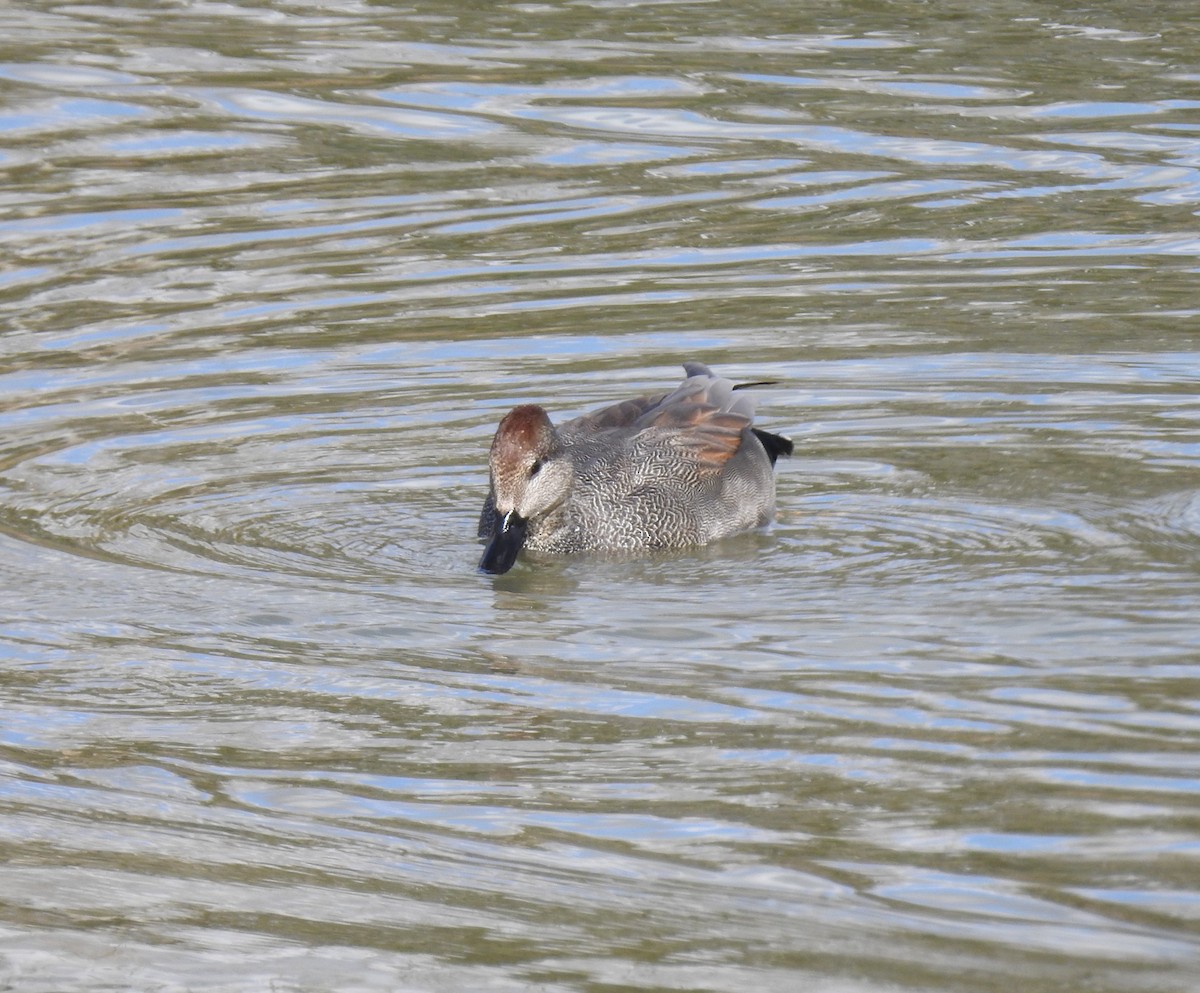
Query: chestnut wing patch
pixel 708 434
pixel 703 418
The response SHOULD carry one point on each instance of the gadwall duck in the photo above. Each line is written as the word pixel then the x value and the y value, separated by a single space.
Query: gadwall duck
pixel 683 468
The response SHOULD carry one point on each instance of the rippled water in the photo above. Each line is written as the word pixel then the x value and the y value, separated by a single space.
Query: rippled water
pixel 271 274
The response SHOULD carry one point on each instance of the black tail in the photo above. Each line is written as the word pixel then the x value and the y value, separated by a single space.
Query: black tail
pixel 775 444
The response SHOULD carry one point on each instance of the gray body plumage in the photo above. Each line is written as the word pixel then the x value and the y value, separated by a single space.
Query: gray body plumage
pixel 684 468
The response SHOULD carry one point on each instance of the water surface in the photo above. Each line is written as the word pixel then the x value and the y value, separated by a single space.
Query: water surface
pixel 273 272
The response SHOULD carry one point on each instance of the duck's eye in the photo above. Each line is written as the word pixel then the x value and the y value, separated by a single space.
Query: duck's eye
pixel 535 468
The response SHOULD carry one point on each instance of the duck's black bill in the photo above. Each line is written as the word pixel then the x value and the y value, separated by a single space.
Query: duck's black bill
pixel 508 538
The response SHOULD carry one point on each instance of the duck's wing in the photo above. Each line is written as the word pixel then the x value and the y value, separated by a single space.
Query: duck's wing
pixel 631 413
pixel 703 418
pixel 619 415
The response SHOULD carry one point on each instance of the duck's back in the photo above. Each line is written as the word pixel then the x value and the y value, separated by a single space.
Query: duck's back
pixel 684 468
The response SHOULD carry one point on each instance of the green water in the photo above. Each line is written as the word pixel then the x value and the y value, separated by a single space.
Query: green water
pixel 271 274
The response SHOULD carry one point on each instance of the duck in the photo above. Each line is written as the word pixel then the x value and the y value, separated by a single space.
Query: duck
pixel 679 469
